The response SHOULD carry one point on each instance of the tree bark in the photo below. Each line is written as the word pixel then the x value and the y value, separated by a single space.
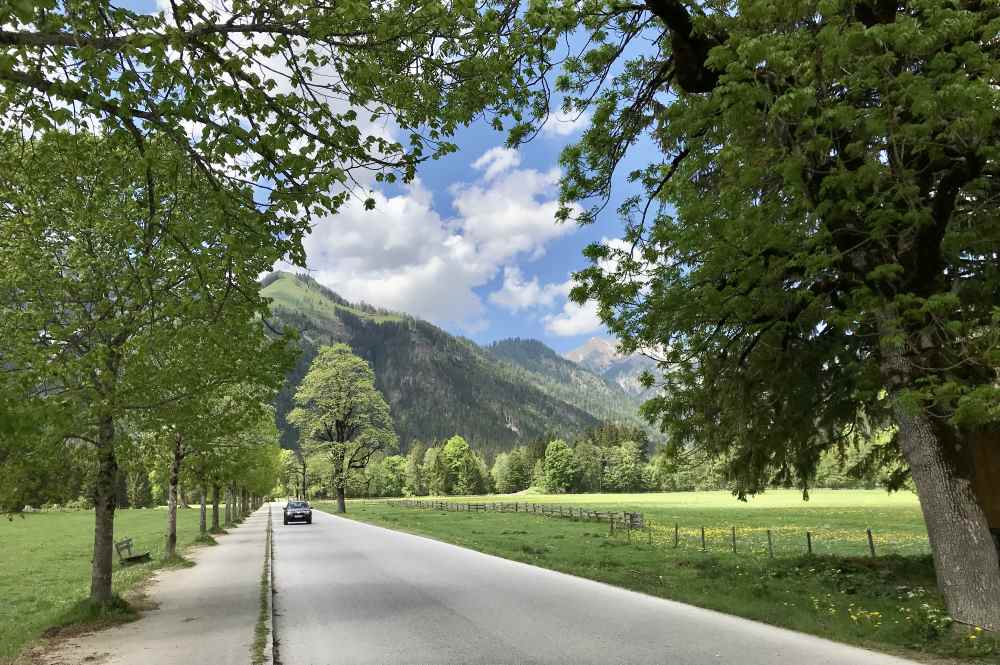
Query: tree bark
pixel 170 547
pixel 215 509
pixel 203 513
pixel 943 469
pixel 305 495
pixel 229 506
pixel 341 501
pixel 104 512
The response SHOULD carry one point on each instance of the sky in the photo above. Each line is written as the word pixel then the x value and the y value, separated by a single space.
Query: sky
pixel 472 245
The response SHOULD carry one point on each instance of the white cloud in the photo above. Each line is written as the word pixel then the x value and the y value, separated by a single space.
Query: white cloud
pixel 496 161
pixel 564 124
pixel 405 256
pixel 517 294
pixel 574 320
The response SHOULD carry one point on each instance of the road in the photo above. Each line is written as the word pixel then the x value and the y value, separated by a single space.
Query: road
pixel 358 594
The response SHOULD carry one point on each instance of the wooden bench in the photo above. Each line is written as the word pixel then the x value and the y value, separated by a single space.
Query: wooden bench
pixel 127 556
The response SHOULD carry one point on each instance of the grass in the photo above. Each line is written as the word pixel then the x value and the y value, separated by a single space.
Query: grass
pixel 45 574
pixel 262 628
pixel 889 603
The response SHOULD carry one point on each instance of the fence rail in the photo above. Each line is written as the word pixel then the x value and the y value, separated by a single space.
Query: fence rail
pixel 616 519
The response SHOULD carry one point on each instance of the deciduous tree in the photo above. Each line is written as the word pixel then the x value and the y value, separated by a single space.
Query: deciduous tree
pixel 816 251
pixel 341 412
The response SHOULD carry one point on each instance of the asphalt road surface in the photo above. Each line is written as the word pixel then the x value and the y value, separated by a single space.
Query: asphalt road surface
pixel 358 594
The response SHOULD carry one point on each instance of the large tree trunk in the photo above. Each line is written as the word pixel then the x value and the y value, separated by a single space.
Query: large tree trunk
pixel 170 547
pixel 104 512
pixel 215 509
pixel 203 513
pixel 942 464
pixel 229 506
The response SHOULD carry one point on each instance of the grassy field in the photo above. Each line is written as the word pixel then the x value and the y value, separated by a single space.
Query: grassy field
pixel 889 603
pixel 45 566
pixel 836 519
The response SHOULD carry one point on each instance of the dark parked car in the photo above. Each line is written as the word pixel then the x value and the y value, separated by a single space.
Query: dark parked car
pixel 298 511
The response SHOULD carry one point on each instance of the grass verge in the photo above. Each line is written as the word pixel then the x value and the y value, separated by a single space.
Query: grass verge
pixel 46 571
pixel 888 603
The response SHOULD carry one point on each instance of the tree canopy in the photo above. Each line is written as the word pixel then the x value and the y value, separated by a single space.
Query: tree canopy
pixel 815 249
pixel 341 412
pixel 296 97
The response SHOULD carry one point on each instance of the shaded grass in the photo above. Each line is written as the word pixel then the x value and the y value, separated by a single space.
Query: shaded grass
pixel 45 569
pixel 889 603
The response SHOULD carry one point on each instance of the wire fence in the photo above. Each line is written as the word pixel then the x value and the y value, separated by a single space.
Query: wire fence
pixel 778 541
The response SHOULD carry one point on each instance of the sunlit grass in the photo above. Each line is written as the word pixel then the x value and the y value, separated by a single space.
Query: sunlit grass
pixel 45 566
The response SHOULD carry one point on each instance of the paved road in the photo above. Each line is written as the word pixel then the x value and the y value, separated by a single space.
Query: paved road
pixel 357 594
pixel 203 615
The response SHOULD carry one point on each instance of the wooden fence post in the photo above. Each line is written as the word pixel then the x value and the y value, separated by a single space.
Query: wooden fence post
pixel 809 543
pixel 770 547
pixel 871 543
pixel 677 528
pixel 703 548
pixel 734 540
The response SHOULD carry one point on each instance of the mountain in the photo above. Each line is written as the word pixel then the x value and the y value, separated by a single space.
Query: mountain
pixel 601 356
pixel 438 384
pixel 569 381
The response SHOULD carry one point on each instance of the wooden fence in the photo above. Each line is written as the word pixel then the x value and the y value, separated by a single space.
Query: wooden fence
pixel 768 542
pixel 617 519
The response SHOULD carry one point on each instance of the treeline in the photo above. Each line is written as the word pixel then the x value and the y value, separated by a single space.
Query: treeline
pixel 609 458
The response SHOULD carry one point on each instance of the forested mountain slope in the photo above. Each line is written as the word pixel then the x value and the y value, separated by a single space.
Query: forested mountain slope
pixel 437 384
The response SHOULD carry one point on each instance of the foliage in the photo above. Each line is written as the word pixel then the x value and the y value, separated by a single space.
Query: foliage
pixel 304 89
pixel 560 467
pixel 814 250
pixel 341 413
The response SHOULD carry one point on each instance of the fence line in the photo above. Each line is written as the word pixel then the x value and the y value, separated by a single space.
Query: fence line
pixel 621 519
pixel 737 540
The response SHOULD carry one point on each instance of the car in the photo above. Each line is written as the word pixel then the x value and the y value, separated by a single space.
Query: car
pixel 298 511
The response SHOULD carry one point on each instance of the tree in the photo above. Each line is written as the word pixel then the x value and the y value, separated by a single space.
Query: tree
pixel 465 474
pixel 624 469
pixel 339 409
pixel 816 249
pixel 306 86
pixel 416 484
pixel 129 285
pixel 560 467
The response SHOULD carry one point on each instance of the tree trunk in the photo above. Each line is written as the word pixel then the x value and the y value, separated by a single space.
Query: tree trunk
pixel 341 502
pixel 170 547
pixel 215 509
pixel 104 512
pixel 942 466
pixel 305 495
pixel 203 513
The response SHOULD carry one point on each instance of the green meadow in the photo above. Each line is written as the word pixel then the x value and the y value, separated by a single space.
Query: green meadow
pixel 45 566
pixel 889 603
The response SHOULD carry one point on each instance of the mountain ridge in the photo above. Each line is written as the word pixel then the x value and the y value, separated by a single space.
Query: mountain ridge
pixel 438 384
